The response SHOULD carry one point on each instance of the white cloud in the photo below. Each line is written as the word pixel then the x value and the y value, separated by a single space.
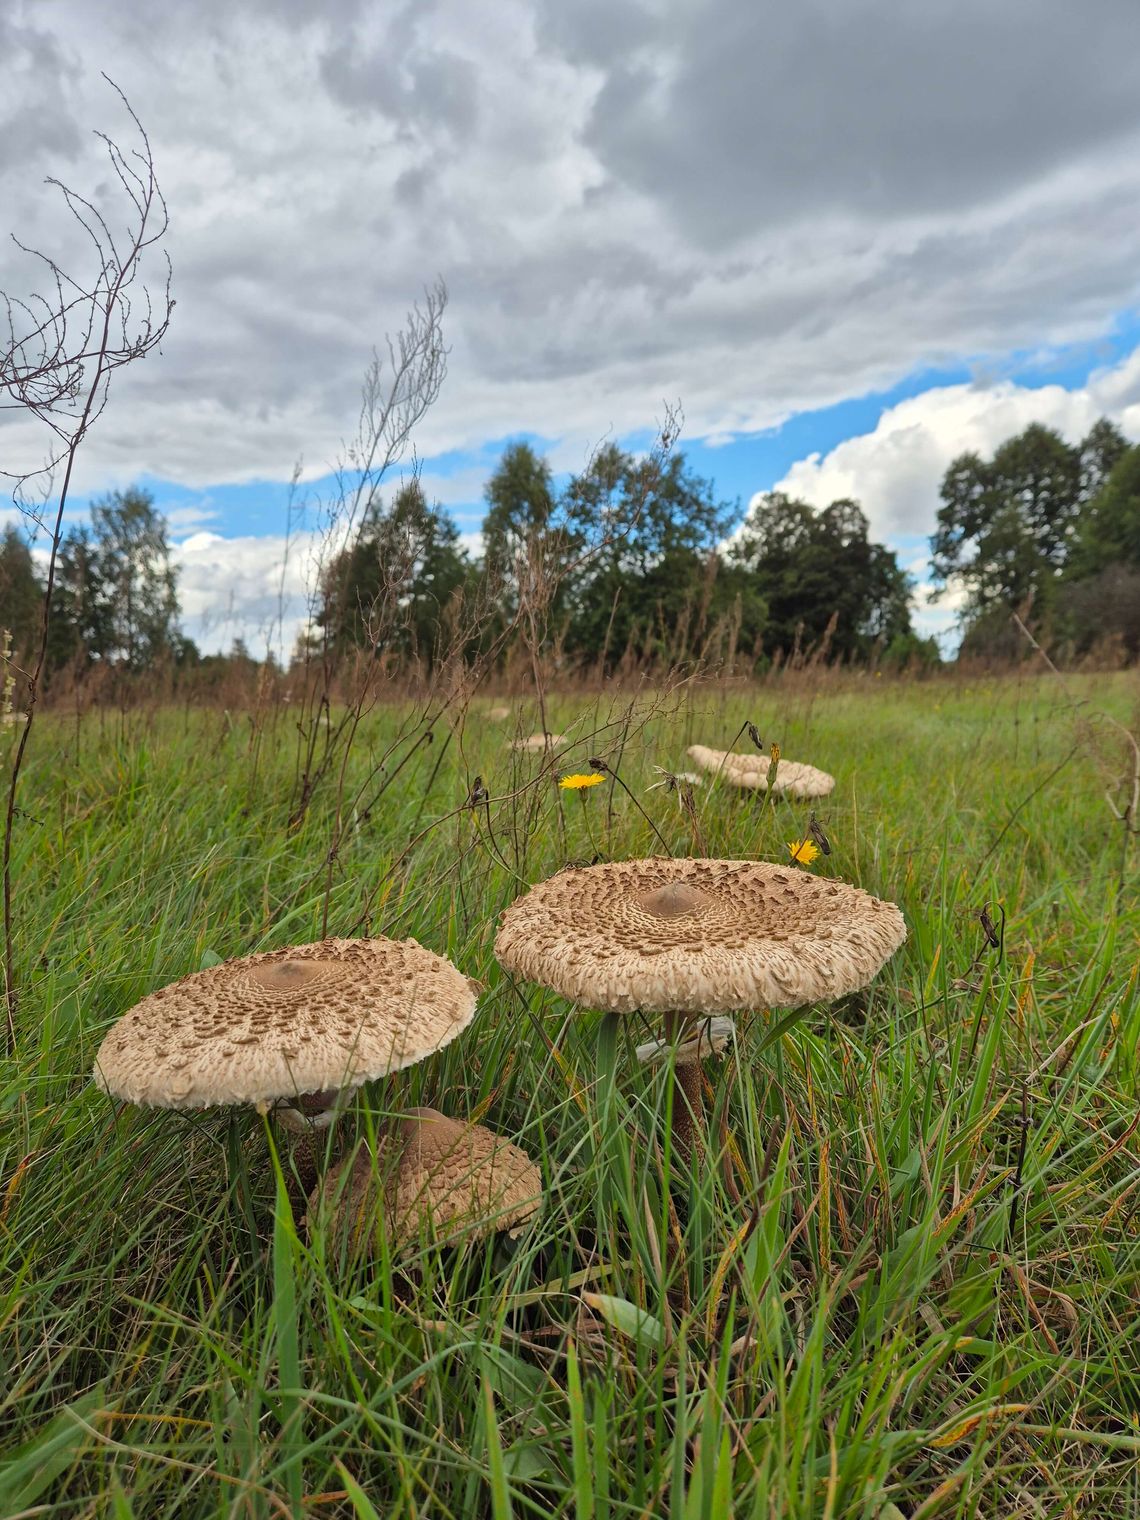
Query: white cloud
pixel 606 242
pixel 895 470
pixel 244 588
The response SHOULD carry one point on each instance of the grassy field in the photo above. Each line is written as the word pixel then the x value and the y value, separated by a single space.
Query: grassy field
pixel 924 1301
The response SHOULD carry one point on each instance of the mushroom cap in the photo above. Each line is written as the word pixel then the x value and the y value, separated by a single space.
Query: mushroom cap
pixel 432 1174
pixel 751 772
pixel 697 936
pixel 540 741
pixel 274 1025
pixel 498 714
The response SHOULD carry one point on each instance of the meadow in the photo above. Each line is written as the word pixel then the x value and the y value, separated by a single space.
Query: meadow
pixel 912 1290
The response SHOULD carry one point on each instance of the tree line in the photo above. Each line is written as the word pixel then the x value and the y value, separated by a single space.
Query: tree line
pixel 638 560
pixel 1047 529
pixel 633 559
pixel 114 596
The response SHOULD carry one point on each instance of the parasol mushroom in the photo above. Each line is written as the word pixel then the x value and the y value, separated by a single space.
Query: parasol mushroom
pixel 751 772
pixel 692 938
pixel 292 1029
pixel 432 1175
pixel 539 743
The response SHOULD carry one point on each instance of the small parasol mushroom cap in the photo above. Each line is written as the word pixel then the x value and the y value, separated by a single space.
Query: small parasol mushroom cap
pixel 751 772
pixel 697 936
pixel 540 742
pixel 308 1019
pixel 435 1175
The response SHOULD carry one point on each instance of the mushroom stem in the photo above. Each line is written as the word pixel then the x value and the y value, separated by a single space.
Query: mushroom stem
pixel 688 1094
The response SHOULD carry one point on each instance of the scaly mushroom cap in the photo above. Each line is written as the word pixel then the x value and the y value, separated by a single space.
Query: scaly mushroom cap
pixel 697 936
pixel 275 1025
pixel 435 1175
pixel 751 772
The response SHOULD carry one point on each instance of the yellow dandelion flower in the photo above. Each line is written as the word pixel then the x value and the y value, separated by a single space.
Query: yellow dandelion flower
pixel 576 783
pixel 803 852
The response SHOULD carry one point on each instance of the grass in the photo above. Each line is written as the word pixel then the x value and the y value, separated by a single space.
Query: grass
pixel 923 1302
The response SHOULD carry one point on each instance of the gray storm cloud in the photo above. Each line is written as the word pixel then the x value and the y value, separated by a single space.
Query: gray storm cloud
pixel 761 209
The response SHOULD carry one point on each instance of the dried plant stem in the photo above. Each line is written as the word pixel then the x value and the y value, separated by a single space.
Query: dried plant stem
pixel 91 330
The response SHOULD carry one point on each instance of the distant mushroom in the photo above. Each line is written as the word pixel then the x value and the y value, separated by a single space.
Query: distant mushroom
pixel 751 772
pixel 431 1175
pixel 498 714
pixel 539 742
pixel 692 938
pixel 290 1030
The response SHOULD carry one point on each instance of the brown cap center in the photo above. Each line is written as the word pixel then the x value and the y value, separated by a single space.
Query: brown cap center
pixel 674 900
pixel 288 976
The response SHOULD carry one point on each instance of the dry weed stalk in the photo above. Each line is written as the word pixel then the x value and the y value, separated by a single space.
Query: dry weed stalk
pixel 58 356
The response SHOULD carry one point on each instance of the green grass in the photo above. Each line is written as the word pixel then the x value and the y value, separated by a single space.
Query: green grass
pixel 860 1333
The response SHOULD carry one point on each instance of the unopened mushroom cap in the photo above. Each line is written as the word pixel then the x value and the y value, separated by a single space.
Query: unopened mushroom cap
pixel 433 1175
pixel 751 772
pixel 697 936
pixel 306 1019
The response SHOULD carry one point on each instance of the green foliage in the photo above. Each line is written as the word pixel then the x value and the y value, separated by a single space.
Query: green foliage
pixel 1011 528
pixel 854 1331
pixel 1050 525
pixel 524 545
pixel 115 597
pixel 810 567
pixel 653 582
pixel 135 580
pixel 21 594
pixel 79 630
pixel 1005 523
pixel 1109 529
pixel 390 591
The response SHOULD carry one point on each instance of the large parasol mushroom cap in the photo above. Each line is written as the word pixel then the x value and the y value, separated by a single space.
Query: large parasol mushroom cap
pixel 751 772
pixel 310 1019
pixel 697 936
pixel 433 1175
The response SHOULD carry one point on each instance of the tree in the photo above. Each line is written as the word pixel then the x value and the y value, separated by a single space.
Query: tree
pixel 1101 451
pixel 136 583
pixel 647 533
pixel 1108 532
pixel 389 591
pixel 525 547
pixel 1005 524
pixel 812 567
pixel 79 630
pixel 1099 598
pixel 21 593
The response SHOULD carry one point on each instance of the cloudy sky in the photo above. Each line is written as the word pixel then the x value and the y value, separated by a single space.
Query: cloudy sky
pixel 852 237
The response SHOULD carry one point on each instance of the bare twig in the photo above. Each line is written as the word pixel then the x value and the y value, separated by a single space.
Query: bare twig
pixel 59 354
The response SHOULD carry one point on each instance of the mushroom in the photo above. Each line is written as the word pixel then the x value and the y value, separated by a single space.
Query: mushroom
pixel 691 938
pixel 430 1174
pixel 540 742
pixel 498 714
pixel 292 1030
pixel 751 772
